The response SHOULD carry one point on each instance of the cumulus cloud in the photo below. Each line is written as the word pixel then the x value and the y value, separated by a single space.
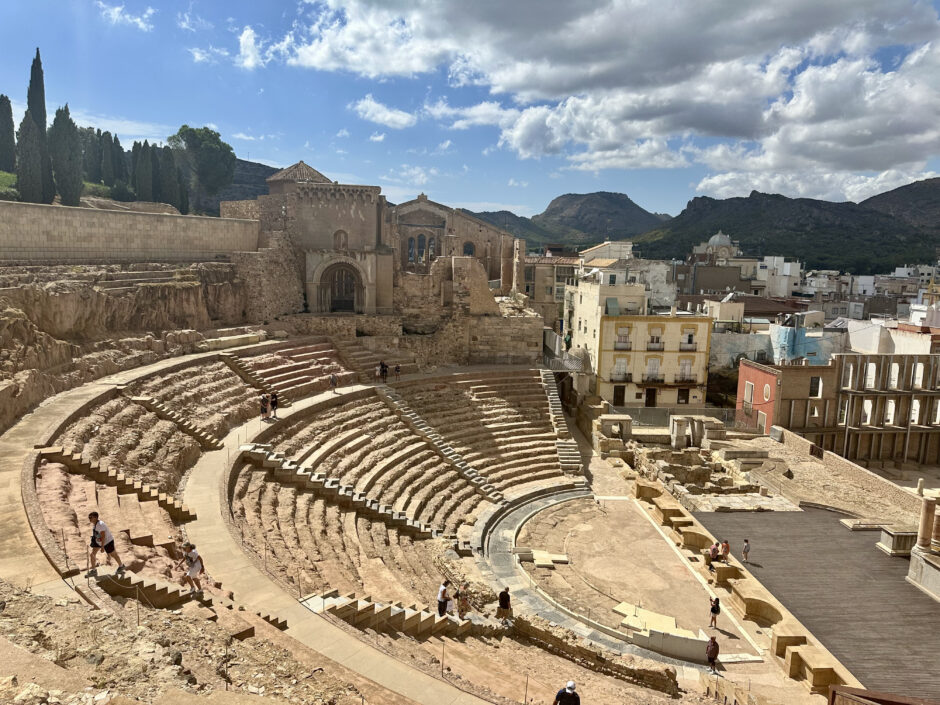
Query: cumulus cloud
pixel 249 50
pixel 370 109
pixel 117 14
pixel 343 133
pixel 410 175
pixel 377 137
pixel 846 93
pixel 189 21
pixel 515 182
pixel 210 55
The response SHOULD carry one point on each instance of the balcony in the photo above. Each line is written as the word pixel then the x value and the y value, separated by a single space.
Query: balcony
pixel 620 345
pixel 654 345
pixel 688 347
pixel 653 378
pixel 686 379
pixel 621 377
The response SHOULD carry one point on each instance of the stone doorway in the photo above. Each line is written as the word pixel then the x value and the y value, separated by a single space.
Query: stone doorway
pixel 340 290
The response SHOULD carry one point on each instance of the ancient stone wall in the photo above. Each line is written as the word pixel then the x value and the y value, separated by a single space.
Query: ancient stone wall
pixel 41 233
pixel 240 210
pixel 272 278
pixel 510 340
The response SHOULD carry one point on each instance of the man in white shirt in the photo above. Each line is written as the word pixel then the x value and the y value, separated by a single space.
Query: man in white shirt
pixel 195 567
pixel 102 540
pixel 442 598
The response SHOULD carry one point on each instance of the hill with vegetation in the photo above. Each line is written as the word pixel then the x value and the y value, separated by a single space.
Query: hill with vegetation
pixel 578 219
pixel 917 203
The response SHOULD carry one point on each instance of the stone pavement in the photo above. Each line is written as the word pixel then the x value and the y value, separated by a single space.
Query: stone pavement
pixel 226 561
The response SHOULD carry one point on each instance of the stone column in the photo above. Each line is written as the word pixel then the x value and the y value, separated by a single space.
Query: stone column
pixel 679 429
pixel 927 527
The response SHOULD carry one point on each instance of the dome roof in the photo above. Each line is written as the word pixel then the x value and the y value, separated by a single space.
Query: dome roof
pixel 299 172
pixel 719 239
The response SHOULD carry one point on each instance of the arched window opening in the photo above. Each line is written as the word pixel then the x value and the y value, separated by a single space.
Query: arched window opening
pixel 866 412
pixel 889 412
pixel 469 250
pixel 915 411
pixel 340 289
pixel 411 249
pixel 919 374
pixel 340 240
pixel 894 375
pixel 422 255
pixel 870 375
pixel 431 253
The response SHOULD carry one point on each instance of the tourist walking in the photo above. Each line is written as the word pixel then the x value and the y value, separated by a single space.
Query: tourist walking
pixel 504 610
pixel 715 611
pixel 442 598
pixel 746 549
pixel 567 695
pixel 383 368
pixel 274 405
pixel 334 382
pixel 194 567
pixel 397 372
pixel 711 653
pixel 463 600
pixel 725 550
pixel 264 407
pixel 102 540
pixel 378 373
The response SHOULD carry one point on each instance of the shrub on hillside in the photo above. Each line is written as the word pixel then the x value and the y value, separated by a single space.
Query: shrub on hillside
pixel 122 192
pixel 9 194
pixel 99 190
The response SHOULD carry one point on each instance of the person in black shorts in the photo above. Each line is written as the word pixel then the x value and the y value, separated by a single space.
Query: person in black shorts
pixel 567 695
pixel 274 405
pixel 102 540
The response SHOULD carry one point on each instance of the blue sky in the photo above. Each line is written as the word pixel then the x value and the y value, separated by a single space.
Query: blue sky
pixel 492 104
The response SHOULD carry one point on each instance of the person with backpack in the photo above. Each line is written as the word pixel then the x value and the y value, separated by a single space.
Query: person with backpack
pixel 567 695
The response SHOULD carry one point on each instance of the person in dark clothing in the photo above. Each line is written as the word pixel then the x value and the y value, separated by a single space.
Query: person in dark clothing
pixel 384 370
pixel 504 611
pixel 397 373
pixel 567 695
pixel 715 611
pixel 442 598
pixel 274 405
pixel 711 653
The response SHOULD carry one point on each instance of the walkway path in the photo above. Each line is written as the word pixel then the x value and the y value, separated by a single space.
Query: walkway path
pixel 228 563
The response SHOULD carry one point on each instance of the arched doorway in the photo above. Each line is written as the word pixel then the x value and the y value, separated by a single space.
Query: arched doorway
pixel 341 290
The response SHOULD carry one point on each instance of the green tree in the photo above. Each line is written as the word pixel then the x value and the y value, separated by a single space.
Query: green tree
pixel 205 159
pixel 156 180
pixel 143 184
pixel 7 141
pixel 29 160
pixel 107 159
pixel 184 192
pixel 36 106
pixel 169 178
pixel 91 154
pixel 135 155
pixel 119 163
pixel 65 145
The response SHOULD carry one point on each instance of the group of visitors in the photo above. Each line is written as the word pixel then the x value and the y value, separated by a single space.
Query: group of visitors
pixel 269 406
pixel 722 551
pixel 381 372
pixel 446 603
pixel 103 540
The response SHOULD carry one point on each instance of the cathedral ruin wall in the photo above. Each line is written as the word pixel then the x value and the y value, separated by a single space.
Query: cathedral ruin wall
pixel 41 233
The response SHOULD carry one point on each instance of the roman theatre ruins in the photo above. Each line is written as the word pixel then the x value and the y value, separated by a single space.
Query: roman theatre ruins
pixel 135 350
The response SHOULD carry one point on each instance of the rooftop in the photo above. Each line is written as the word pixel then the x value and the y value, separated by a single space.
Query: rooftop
pixel 299 172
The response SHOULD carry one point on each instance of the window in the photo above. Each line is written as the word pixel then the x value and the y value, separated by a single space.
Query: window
pixel 762 421
pixel 894 375
pixel 843 411
pixel 530 274
pixel 870 375
pixel 682 396
pixel 814 411
pixel 849 376
pixel 612 279
pixel 431 253
pixel 411 249
pixel 422 244
pixel 766 392
pixel 749 392
pixel 919 374
pixel 915 411
pixel 549 291
pixel 936 413
pixel 866 412
pixel 815 387
pixel 889 412
pixel 340 240
pixel 469 250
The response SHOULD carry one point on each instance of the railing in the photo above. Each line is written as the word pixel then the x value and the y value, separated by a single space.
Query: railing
pixel 654 346
pixel 621 377
pixel 747 407
pixel 623 346
pixel 659 415
pixel 653 378
pixel 688 347
pixel 687 379
pixel 564 363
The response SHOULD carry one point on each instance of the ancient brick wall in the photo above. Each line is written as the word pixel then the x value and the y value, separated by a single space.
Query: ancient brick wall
pixel 44 233
pixel 241 210
pixel 273 279
pixel 510 340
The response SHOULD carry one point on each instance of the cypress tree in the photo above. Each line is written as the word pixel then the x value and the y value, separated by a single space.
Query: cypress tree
pixel 29 160
pixel 36 106
pixel 89 151
pixel 119 165
pixel 7 141
pixel 135 155
pixel 144 172
pixel 184 193
pixel 65 146
pixel 169 183
pixel 107 160
pixel 156 180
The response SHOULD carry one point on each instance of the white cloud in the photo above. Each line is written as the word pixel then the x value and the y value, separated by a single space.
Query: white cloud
pixel 127 129
pixel 410 175
pixel 207 56
pixel 189 21
pixel 117 14
pixel 515 182
pixel 377 137
pixel 343 133
pixel 370 109
pixel 444 146
pixel 243 136
pixel 249 50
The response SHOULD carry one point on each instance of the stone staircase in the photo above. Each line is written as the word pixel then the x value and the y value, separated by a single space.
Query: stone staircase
pixel 423 429
pixel 415 620
pixel 286 470
pixel 250 377
pixel 357 357
pixel 116 283
pixel 112 478
pixel 569 455
pixel 206 440
pixel 303 368
pixel 165 595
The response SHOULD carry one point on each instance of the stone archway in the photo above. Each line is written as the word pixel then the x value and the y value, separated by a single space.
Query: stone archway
pixel 340 289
